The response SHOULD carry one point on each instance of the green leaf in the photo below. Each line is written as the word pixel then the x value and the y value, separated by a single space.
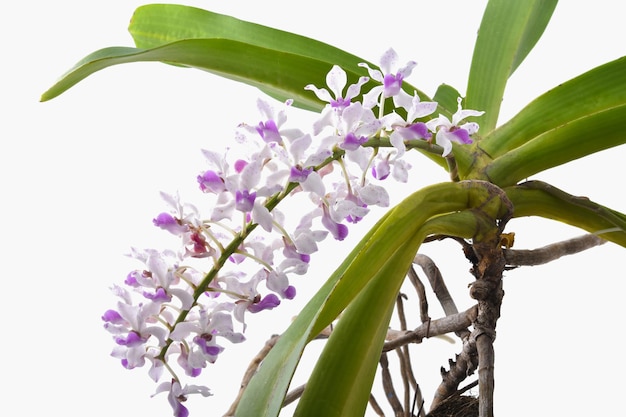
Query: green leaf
pixel 265 393
pixel 342 379
pixel 155 25
pixel 277 62
pixel 597 90
pixel 447 96
pixel 507 33
pixel 397 232
pixel 537 198
pixel 534 139
pixel 280 74
pixel 573 140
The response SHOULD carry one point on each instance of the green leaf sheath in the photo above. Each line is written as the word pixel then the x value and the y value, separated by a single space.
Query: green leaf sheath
pixel 395 233
pixel 507 33
pixel 537 198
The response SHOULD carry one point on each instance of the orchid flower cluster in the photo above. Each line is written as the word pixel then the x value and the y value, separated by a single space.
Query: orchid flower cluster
pixel 178 309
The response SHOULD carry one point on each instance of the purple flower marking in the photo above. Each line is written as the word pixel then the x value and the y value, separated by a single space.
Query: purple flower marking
pixel 462 135
pixel 392 84
pixel 339 103
pixel 291 252
pixel 208 349
pixel 167 222
pixel 240 164
pixel 269 132
pixel 297 174
pixel 338 230
pixel 183 361
pixel 382 169
pixel 160 295
pixel 211 182
pixel 354 218
pixel 131 279
pixel 131 339
pixel 290 292
pixel 244 200
pixel 112 316
pixel 267 303
pixel 352 142
pixel 415 131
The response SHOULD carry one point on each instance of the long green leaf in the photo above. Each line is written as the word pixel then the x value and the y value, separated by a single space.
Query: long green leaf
pixel 536 198
pixel 597 90
pixel 280 74
pixel 573 140
pixel 256 53
pixel 263 397
pixel 154 25
pixel 277 62
pixel 265 394
pixel 508 32
pixel 594 95
pixel 342 379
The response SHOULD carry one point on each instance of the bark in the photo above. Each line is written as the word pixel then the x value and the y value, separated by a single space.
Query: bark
pixel 421 294
pixel 464 364
pixel 489 261
pixel 549 253
pixel 390 391
pixel 438 327
pixel 437 283
pixel 440 289
pixel 487 290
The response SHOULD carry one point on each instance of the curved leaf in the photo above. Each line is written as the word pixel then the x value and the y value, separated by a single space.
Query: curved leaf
pixel 597 90
pixel 280 74
pixel 573 140
pixel 265 393
pixel 267 58
pixel 391 241
pixel 154 25
pixel 575 119
pixel 341 382
pixel 375 252
pixel 507 33
pixel 536 198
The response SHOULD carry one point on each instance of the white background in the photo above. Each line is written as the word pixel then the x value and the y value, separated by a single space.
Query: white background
pixel 81 177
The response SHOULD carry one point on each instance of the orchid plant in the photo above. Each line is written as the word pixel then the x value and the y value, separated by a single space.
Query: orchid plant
pixel 239 252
